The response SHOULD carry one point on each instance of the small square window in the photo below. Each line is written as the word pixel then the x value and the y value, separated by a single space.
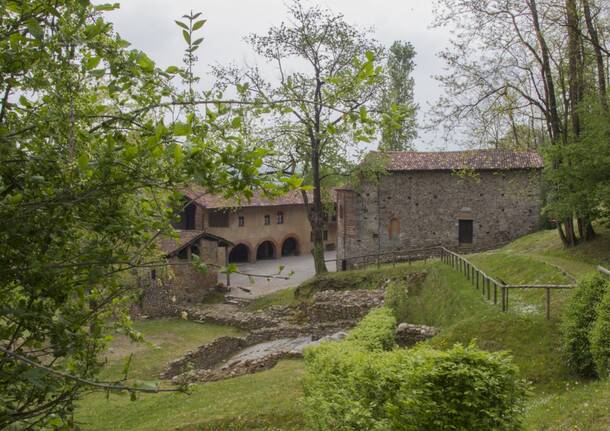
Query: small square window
pixel 267 219
pixel 280 218
pixel 241 221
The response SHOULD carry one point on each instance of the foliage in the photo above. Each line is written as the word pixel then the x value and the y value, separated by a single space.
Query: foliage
pixel 400 129
pixel 578 321
pixel 348 388
pixel 376 331
pixel 325 99
pixel 396 298
pixel 94 148
pixel 600 336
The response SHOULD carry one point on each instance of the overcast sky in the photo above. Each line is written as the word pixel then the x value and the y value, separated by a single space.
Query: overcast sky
pixel 149 26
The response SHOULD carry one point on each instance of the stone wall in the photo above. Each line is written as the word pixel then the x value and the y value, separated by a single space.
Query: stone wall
pixel 183 285
pixel 427 205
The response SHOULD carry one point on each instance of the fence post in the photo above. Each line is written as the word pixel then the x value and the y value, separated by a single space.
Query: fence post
pixel 488 289
pixel 548 303
pixel 495 293
pixel 507 289
pixel 394 259
pixel 477 280
pixel 503 298
pixel 378 264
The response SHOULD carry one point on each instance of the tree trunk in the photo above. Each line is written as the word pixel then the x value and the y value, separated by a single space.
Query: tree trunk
pixel 316 218
pixel 574 66
pixel 599 57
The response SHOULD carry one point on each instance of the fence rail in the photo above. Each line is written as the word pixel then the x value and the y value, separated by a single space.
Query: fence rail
pixel 483 281
pixel 393 257
pixel 603 270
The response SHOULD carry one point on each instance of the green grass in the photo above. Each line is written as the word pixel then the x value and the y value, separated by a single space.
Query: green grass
pixel 165 339
pixel 258 401
pixel 280 297
pixel 578 407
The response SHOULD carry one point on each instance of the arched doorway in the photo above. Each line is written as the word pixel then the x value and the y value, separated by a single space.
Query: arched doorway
pixel 266 250
pixel 290 247
pixel 240 253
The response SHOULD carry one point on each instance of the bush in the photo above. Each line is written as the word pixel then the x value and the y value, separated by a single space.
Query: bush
pixel 349 388
pixel 600 337
pixel 376 331
pixel 578 321
pixel 396 299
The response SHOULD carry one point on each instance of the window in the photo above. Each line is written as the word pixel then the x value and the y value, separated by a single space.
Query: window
pixel 267 219
pixel 280 218
pixel 465 231
pixel 153 274
pixel 241 221
pixel 219 219
pixel 186 218
pixel 394 228
pixel 325 235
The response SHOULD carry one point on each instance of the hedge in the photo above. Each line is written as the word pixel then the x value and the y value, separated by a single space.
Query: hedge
pixel 578 320
pixel 600 337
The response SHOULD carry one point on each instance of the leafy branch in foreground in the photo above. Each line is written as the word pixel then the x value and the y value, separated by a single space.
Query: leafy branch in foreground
pixel 96 143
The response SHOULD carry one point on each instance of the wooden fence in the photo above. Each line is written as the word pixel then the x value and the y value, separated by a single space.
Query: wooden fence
pixel 603 270
pixel 486 283
pixel 393 257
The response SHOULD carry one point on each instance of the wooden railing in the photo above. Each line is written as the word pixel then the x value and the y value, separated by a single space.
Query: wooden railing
pixel 483 281
pixel 603 270
pixel 393 257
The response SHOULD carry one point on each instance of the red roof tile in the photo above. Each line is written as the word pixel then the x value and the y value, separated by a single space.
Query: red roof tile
pixel 171 245
pixel 457 160
pixel 200 196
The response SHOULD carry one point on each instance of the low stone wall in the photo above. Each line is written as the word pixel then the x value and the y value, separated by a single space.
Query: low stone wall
pixel 206 356
pixel 331 305
pixel 408 334
pixel 223 315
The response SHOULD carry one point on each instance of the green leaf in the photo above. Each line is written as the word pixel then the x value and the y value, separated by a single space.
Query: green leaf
pixel 145 62
pixel 106 7
pixel 92 62
pixel 236 123
pixel 187 36
pixel 199 24
pixel 370 56
pixel 198 41
pixel 182 25
pixel 181 129
pixel 172 69
pixel 83 162
pixel 34 28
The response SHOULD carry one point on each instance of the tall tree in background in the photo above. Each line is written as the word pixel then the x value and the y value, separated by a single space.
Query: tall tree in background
pixel 536 65
pixel 94 146
pixel 400 129
pixel 323 101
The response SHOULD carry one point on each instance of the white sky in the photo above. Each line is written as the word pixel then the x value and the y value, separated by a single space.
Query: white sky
pixel 149 26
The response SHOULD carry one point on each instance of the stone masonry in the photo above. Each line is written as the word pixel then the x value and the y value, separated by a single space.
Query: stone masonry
pixel 420 203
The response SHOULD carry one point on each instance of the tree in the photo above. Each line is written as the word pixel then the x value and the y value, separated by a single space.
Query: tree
pixel 398 96
pixel 328 86
pixel 94 145
pixel 531 65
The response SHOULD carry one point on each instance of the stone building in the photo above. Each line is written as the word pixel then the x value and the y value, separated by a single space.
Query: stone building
pixel 464 200
pixel 260 228
pixel 180 282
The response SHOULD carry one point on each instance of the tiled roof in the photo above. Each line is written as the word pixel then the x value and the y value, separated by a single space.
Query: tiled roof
pixel 201 197
pixel 457 160
pixel 171 245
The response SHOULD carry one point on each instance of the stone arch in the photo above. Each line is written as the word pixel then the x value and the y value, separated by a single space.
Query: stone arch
pixel 240 253
pixel 290 245
pixel 266 249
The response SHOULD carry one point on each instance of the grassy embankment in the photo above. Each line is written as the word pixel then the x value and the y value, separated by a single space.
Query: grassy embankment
pixel 269 400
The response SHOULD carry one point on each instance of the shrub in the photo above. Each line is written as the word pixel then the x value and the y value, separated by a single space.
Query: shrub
pixel 376 331
pixel 577 323
pixel 600 337
pixel 350 388
pixel 396 299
